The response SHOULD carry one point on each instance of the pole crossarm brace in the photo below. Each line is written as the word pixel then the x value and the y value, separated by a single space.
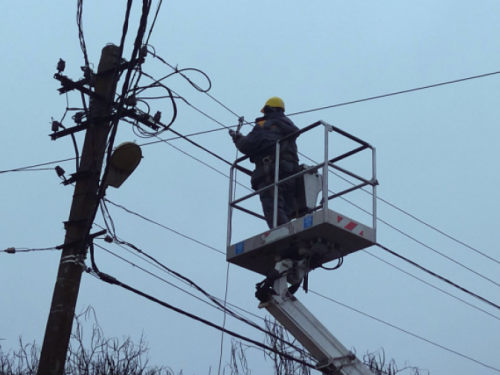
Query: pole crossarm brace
pixel 84 125
pixel 144 119
pixel 69 85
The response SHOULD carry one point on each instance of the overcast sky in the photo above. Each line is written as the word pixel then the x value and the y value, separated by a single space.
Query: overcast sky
pixel 437 160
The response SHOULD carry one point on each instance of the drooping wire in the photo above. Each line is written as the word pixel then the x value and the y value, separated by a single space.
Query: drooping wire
pixel 176 70
pixel 339 264
pixel 180 71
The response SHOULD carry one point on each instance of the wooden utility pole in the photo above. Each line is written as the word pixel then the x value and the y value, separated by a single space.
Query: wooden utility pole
pixel 85 199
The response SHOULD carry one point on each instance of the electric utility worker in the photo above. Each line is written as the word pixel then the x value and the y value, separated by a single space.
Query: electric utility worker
pixel 260 145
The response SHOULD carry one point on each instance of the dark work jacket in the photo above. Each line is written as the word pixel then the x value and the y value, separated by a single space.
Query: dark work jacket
pixel 261 142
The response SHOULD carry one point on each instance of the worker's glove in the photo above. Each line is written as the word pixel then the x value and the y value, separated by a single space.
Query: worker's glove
pixel 234 135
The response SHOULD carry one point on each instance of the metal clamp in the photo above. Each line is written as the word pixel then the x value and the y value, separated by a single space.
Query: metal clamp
pixel 333 365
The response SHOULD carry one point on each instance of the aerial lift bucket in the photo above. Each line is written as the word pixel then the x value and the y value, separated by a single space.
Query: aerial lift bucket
pixel 318 232
pixel 287 253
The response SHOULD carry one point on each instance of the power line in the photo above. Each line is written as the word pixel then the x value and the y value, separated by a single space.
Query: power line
pixel 407 332
pixel 154 21
pixel 440 253
pixel 439 277
pixel 13 250
pixel 20 169
pixel 114 281
pixel 463 289
pixel 429 284
pixel 411 262
pixel 79 13
pixel 327 298
pixel 204 91
pixel 169 283
pixel 394 93
pixel 221 252
pixel 411 237
pixel 418 241
pixel 404 212
pixel 163 226
pixel 200 161
pixel 151 273
pixel 28 170
pixel 191 283
pixel 436 229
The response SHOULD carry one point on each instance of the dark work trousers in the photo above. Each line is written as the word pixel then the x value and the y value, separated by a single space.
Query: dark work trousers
pixel 286 195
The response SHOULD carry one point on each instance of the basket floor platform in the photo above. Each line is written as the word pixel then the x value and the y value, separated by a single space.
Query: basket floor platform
pixel 311 232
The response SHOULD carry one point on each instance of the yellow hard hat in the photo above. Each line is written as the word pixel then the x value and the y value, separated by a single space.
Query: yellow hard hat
pixel 274 102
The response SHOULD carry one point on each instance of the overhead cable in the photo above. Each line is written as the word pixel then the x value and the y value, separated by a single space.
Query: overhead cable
pixel 81 37
pixel 437 230
pixel 406 332
pixel 200 161
pixel 221 252
pixel 394 93
pixel 160 2
pixel 167 282
pixel 114 281
pixel 432 286
pixel 415 218
pixel 201 290
pixel 439 277
pixel 14 250
pixel 163 226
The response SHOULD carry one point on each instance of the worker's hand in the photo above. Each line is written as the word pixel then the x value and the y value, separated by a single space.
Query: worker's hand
pixel 234 135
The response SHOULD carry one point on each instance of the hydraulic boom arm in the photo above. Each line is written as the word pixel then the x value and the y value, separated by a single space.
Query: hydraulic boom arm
pixel 332 357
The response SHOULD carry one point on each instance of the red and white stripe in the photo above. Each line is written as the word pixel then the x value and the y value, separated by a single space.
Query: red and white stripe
pixel 350 225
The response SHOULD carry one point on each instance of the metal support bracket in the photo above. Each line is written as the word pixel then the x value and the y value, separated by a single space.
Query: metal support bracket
pixel 84 125
pixel 77 176
pixel 69 85
pixel 90 238
pixel 333 365
pixel 144 119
